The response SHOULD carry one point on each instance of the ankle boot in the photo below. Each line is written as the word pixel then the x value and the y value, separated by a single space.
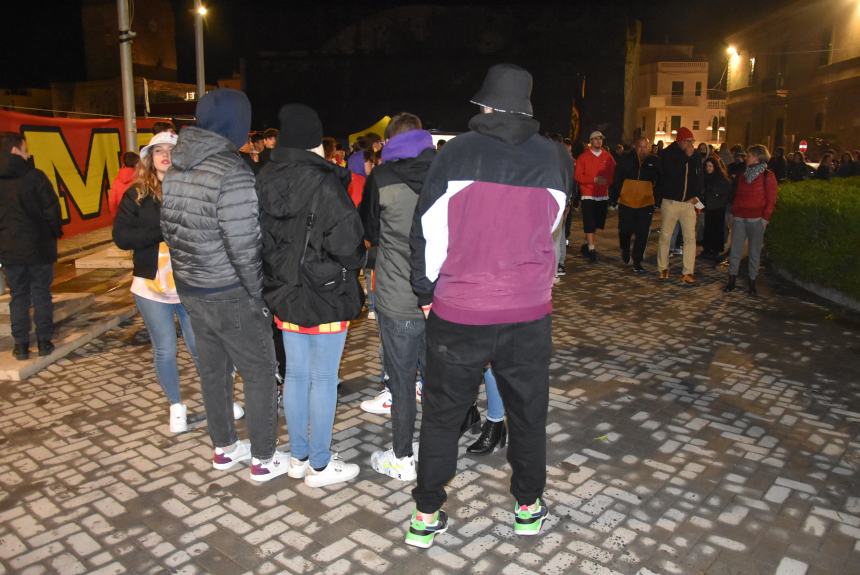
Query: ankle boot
pixel 492 433
pixel 752 290
pixel 731 285
pixel 21 351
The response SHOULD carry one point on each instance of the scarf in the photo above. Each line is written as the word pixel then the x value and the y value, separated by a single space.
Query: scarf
pixel 752 172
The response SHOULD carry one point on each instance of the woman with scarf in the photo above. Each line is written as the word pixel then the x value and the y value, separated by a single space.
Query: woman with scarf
pixel 752 206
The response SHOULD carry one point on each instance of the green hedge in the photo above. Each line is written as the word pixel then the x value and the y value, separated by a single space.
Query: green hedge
pixel 815 233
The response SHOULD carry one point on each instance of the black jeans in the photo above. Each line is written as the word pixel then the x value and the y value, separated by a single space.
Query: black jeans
pixel 231 330
pixel 636 223
pixel 31 284
pixel 715 231
pixel 404 345
pixel 519 354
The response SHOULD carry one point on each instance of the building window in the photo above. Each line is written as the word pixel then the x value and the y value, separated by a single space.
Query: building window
pixel 677 88
pixel 676 123
pixel 824 57
pixel 698 88
pixel 695 124
pixel 751 78
pixel 819 122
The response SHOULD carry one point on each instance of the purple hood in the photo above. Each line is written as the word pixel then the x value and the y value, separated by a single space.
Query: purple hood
pixel 407 145
pixel 355 163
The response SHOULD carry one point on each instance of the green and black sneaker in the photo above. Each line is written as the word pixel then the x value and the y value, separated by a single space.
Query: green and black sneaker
pixel 529 518
pixel 421 533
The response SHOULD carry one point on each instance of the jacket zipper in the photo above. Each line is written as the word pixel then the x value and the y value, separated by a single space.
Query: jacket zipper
pixel 686 179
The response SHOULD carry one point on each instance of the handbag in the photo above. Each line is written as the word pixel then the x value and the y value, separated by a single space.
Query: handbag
pixel 472 423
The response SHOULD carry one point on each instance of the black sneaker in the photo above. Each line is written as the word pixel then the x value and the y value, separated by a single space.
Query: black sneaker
pixel 21 351
pixel 638 269
pixel 46 347
pixel 560 271
pixel 592 256
pixel 625 257
pixel 584 250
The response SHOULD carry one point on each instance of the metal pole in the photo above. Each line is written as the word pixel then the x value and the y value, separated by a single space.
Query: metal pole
pixel 198 44
pixel 125 39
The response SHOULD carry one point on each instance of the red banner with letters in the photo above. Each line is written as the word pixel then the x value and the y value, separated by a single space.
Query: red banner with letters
pixel 81 158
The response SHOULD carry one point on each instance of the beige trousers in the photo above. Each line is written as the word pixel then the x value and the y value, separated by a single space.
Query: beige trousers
pixel 672 212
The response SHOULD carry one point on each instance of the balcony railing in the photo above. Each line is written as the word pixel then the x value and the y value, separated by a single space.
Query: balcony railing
pixel 716 104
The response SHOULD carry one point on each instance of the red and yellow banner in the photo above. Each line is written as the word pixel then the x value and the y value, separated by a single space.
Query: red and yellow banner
pixel 80 157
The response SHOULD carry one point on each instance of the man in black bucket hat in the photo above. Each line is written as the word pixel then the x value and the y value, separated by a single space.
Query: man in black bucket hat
pixel 483 259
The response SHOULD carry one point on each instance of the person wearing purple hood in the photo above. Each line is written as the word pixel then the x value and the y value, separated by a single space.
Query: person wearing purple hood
pixel 390 195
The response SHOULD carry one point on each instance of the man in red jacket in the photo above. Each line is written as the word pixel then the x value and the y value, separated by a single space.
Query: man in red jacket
pixel 595 169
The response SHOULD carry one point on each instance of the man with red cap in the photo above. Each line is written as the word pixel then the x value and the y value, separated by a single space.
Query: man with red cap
pixel 680 188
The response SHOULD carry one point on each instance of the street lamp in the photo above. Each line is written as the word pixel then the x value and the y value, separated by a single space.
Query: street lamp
pixel 199 13
pixel 732 51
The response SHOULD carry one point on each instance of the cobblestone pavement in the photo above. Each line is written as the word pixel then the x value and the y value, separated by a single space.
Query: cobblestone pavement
pixel 689 432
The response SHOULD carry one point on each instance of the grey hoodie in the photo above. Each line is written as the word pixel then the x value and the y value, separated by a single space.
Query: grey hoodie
pixel 209 215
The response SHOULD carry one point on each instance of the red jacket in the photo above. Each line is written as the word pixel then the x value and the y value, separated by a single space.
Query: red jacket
pixel 117 189
pixel 356 188
pixel 588 167
pixel 756 199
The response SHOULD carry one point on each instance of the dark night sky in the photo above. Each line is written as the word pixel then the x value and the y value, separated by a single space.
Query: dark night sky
pixel 44 41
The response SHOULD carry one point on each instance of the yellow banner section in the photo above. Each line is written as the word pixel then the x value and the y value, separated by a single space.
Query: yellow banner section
pixel 377 128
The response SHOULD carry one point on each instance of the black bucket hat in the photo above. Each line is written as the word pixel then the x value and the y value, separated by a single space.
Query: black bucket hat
pixel 506 88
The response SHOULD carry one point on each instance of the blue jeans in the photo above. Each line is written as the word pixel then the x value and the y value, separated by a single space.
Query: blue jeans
pixel 495 407
pixel 158 318
pixel 310 393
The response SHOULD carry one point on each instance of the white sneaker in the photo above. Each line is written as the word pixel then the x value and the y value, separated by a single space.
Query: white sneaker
pixel 238 412
pixel 277 465
pixel 335 472
pixel 178 418
pixel 386 463
pixel 371 315
pixel 379 405
pixel 226 459
pixel 419 390
pixel 298 468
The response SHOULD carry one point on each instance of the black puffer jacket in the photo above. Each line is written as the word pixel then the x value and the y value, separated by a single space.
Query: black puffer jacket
pixel 325 287
pixel 209 215
pixel 29 214
pixel 680 175
pixel 137 228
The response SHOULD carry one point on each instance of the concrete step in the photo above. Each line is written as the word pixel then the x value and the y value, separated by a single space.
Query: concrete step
pixel 109 257
pixel 65 306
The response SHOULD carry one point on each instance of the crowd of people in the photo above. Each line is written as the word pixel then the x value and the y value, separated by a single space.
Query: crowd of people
pixel 255 242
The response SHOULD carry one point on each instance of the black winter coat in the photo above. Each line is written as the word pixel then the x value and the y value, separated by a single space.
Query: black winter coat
pixel 137 228
pixel 675 168
pixel 321 287
pixel 29 214
pixel 630 168
pixel 718 191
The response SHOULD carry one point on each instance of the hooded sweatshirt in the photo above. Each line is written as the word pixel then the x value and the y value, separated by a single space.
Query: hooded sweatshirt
pixel 390 196
pixel 29 214
pixel 118 187
pixel 482 248
pixel 355 165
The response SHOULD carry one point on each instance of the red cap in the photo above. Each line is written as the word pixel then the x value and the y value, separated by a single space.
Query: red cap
pixel 684 134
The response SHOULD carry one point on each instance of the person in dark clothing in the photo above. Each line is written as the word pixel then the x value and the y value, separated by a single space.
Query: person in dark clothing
pixel 737 167
pixel 824 171
pixel 312 251
pixel 779 165
pixel 717 190
pixel 798 169
pixel 633 190
pixel 30 225
pixel 390 196
pixel 846 166
pixel 483 260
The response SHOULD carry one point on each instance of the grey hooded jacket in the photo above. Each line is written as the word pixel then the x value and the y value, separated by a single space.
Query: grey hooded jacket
pixel 209 215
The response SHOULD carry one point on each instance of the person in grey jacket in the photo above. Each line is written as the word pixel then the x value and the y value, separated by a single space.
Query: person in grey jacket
pixel 209 219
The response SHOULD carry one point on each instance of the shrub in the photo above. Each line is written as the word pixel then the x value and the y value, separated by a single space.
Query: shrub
pixel 815 233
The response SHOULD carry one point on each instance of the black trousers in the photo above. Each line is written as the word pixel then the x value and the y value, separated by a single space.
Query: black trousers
pixel 715 231
pixel 634 223
pixel 519 354
pixel 30 285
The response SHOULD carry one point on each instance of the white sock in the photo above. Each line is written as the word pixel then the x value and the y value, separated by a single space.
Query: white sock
pixel 591 247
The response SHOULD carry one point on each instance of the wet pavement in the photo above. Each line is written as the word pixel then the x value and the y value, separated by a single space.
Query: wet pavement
pixel 689 432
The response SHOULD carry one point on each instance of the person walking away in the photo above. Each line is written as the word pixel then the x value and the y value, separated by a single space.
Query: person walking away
pixel 210 221
pixel 137 227
pixel 679 188
pixel 483 260
pixel 312 250
pixel 390 196
pixel 30 225
pixel 752 208
pixel 124 178
pixel 633 190
pixel 717 191
pixel 595 169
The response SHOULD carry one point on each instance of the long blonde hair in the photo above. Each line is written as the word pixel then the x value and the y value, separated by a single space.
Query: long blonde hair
pixel 146 180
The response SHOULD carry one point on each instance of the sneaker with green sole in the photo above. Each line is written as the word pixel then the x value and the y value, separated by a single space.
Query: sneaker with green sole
pixel 529 518
pixel 421 533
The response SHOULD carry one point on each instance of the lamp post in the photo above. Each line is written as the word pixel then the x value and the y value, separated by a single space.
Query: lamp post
pixel 126 73
pixel 199 13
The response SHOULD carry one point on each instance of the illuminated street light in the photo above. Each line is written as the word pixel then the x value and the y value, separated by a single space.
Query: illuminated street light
pixel 202 10
pixel 732 51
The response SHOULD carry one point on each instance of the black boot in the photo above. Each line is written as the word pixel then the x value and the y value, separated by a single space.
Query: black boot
pixel 21 351
pixel 492 433
pixel 731 285
pixel 46 347
pixel 752 291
